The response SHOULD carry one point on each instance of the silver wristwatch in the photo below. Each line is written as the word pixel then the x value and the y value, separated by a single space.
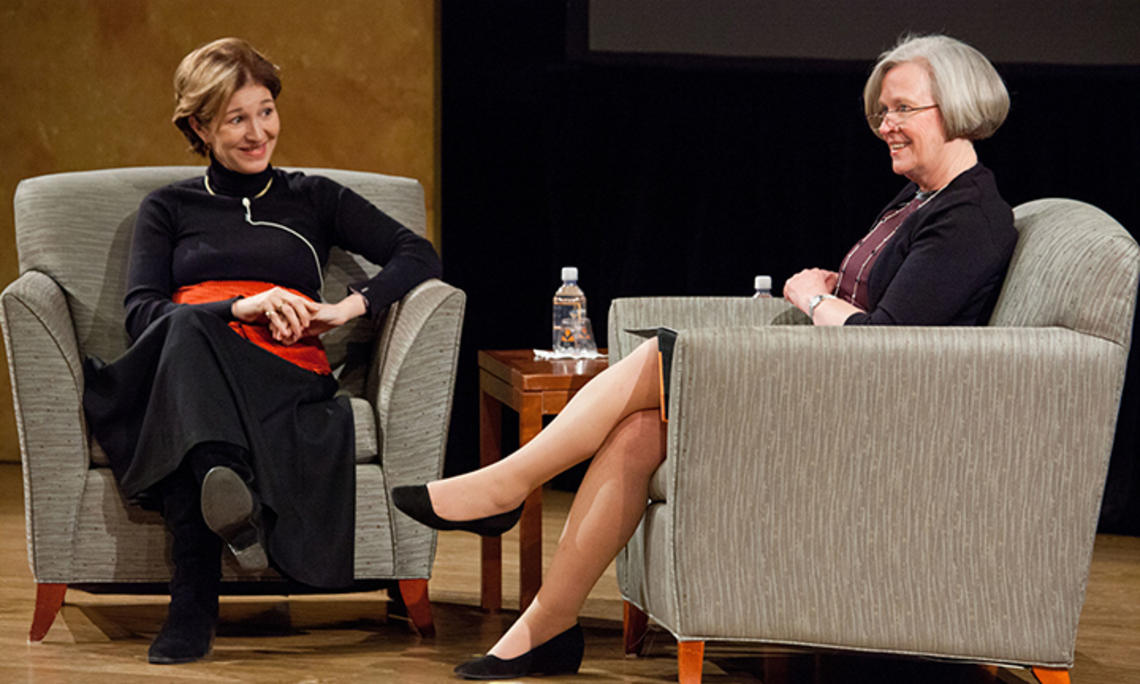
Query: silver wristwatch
pixel 816 300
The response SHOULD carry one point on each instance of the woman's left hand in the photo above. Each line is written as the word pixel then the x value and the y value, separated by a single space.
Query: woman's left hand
pixel 800 288
pixel 329 316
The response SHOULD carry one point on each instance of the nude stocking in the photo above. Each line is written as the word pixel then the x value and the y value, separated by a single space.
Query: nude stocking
pixel 574 435
pixel 605 513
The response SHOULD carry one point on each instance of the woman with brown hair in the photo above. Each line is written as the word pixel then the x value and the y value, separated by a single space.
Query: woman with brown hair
pixel 222 414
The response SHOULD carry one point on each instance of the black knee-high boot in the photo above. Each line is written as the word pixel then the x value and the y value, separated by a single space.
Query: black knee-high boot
pixel 188 632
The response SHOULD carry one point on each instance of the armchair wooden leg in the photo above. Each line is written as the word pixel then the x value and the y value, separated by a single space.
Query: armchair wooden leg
pixel 690 658
pixel 1048 675
pixel 49 599
pixel 415 595
pixel 634 627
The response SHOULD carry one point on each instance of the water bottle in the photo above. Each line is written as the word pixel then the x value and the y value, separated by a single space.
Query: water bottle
pixel 763 285
pixel 571 332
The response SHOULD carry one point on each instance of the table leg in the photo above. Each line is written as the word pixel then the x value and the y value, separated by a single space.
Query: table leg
pixel 530 526
pixel 490 450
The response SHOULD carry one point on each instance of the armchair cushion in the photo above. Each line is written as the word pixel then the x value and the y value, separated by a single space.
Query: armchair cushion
pixel 683 313
pixel 1073 267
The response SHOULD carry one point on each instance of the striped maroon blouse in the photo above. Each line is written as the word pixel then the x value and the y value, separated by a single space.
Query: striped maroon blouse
pixel 856 266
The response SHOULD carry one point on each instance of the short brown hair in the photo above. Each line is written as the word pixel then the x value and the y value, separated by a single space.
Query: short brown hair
pixel 966 87
pixel 208 77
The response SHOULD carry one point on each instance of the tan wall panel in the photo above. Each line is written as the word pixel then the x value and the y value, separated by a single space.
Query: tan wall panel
pixel 86 84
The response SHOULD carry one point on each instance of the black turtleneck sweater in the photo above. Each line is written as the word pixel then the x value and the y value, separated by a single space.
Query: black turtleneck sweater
pixel 200 229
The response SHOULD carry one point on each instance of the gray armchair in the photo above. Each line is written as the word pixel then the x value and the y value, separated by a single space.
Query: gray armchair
pixel 917 491
pixel 73 235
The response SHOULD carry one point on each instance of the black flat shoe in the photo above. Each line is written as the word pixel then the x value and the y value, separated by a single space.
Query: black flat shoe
pixel 560 655
pixel 229 509
pixel 415 502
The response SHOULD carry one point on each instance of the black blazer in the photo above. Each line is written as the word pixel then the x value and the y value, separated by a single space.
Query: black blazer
pixel 946 263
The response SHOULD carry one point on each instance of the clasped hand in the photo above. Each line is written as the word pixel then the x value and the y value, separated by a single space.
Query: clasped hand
pixel 800 288
pixel 290 317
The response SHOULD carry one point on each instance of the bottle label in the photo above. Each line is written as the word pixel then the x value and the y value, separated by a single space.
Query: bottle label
pixel 567 323
pixel 572 333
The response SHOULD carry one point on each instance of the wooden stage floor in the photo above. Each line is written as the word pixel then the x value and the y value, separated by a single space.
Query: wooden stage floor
pixel 352 637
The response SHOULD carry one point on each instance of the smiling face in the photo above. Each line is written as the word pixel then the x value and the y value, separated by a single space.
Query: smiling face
pixel 917 143
pixel 243 136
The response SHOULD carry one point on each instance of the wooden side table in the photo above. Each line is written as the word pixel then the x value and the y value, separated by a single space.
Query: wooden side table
pixel 534 389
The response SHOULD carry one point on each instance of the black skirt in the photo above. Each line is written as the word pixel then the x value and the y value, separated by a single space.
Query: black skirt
pixel 189 380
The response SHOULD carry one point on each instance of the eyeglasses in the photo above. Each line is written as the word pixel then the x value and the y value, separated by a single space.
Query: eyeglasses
pixel 899 115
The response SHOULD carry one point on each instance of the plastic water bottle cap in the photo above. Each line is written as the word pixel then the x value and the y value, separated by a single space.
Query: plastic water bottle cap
pixel 570 273
pixel 763 283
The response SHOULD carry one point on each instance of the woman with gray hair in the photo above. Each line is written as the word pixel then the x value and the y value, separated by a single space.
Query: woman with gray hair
pixel 935 255
pixel 929 98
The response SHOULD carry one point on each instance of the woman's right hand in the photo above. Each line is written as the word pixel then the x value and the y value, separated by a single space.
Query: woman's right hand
pixel 800 288
pixel 287 315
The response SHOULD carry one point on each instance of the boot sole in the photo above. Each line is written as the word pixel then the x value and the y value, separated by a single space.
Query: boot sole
pixel 176 660
pixel 227 508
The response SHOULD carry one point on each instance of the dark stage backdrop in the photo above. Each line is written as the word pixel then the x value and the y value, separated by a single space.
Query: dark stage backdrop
pixel 671 177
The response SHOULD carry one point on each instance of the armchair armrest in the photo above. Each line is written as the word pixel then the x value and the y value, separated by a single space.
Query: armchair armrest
pixel 691 312
pixel 412 395
pixel 47 391
pixel 890 488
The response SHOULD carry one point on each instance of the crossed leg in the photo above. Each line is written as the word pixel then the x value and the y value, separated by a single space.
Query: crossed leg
pixel 616 419
pixel 574 435
pixel 604 515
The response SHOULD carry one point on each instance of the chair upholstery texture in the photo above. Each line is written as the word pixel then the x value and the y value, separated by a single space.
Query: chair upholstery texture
pixel 925 491
pixel 73 237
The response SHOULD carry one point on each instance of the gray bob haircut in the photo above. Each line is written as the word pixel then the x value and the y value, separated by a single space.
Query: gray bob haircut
pixel 969 93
